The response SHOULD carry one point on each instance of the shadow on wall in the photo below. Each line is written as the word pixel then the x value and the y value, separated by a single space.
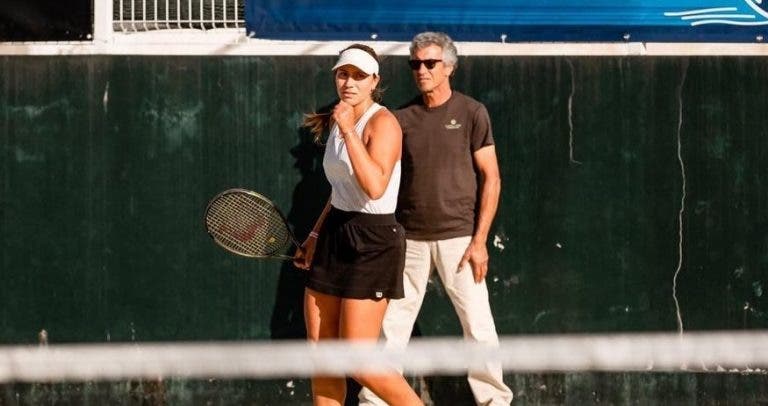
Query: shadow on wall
pixel 309 198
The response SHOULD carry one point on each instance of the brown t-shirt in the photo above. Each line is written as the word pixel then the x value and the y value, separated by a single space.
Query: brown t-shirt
pixel 438 187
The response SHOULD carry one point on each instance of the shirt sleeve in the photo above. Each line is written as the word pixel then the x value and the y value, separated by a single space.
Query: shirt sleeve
pixel 482 135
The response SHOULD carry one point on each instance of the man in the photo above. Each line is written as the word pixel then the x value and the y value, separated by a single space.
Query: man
pixel 449 193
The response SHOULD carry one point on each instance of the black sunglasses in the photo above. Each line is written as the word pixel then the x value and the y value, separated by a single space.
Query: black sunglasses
pixel 429 63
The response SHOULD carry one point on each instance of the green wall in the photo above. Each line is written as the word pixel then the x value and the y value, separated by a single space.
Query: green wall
pixel 107 163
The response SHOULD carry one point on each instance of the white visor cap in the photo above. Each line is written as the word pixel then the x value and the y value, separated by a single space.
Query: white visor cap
pixel 360 59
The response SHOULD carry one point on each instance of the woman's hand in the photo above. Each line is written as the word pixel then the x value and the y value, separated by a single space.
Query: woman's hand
pixel 302 259
pixel 344 116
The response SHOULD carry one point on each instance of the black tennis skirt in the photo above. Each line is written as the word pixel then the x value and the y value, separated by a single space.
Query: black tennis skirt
pixel 359 256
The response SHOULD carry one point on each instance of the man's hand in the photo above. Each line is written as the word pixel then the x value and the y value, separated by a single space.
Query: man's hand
pixel 477 257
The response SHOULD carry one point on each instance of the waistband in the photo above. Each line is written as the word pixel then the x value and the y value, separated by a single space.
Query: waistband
pixel 354 217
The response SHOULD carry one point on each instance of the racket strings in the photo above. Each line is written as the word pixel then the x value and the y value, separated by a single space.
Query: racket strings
pixel 247 225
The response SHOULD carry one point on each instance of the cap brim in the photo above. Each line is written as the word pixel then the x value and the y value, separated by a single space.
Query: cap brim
pixel 358 58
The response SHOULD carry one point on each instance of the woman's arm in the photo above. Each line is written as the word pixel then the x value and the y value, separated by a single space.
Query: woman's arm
pixel 304 255
pixel 373 156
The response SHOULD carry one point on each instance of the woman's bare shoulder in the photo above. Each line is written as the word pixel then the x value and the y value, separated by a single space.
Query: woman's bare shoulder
pixel 384 117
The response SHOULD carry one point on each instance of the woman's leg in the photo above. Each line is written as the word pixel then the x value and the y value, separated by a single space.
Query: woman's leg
pixel 361 320
pixel 321 314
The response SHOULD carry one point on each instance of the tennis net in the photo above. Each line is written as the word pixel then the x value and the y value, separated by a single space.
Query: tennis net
pixel 725 351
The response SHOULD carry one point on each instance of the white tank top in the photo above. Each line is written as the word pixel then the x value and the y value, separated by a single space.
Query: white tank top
pixel 346 193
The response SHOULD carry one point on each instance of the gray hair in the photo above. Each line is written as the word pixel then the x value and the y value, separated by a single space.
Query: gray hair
pixel 440 39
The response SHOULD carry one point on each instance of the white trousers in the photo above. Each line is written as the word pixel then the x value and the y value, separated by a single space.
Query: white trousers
pixel 470 301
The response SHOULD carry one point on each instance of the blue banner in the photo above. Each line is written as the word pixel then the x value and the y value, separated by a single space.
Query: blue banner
pixel 511 20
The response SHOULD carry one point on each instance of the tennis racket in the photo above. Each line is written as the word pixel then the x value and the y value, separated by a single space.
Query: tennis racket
pixel 248 224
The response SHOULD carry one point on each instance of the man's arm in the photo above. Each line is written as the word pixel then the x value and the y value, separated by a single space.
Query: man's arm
pixel 490 189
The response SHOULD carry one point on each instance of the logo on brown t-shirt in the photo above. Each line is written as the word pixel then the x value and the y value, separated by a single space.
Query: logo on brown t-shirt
pixel 453 125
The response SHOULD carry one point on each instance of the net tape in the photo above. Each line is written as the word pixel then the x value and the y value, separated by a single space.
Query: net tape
pixel 743 352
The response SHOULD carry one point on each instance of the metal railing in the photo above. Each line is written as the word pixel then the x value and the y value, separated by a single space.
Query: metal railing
pixel 147 15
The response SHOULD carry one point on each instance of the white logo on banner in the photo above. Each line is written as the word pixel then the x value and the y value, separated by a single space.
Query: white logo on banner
pixel 757 14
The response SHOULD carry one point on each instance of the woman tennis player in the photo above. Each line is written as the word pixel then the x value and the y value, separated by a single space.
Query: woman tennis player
pixel 355 253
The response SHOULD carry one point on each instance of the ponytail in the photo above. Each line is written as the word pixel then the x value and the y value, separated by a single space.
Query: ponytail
pixel 317 123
